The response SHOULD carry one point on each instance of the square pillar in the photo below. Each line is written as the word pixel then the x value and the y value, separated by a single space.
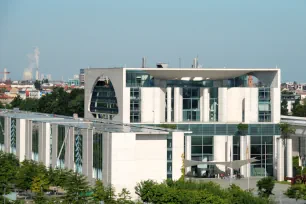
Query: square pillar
pixel 69 148
pixel 222 108
pixel 44 144
pixel 54 145
pixel 87 150
pixel 280 159
pixel 289 158
pixel 205 106
pixel 177 104
pixel 169 104
pixel 177 152
pixel 20 139
pixel 7 134
pixel 220 151
pixel 188 151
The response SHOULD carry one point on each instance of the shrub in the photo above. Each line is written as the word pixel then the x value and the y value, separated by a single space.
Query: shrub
pixel 265 186
pixel 297 191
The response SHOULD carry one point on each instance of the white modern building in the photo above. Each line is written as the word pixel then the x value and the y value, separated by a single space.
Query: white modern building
pixel 118 154
pixel 209 103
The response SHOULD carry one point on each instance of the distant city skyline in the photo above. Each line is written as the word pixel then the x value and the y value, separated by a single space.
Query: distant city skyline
pixel 76 34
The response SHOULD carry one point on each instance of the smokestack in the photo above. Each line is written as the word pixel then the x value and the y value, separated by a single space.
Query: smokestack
pixel 5 74
pixel 195 63
pixel 143 65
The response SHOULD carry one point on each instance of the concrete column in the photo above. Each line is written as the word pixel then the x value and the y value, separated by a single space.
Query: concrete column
pixel 28 140
pixel 169 104
pixel 289 158
pixel 177 152
pixel 222 99
pixel 176 107
pixel 248 145
pixel 243 156
pixel 275 105
pixel 107 158
pixel 188 151
pixel 220 149
pixel 206 101
pixel 69 148
pixel 7 134
pixel 44 144
pixel 229 148
pixel 87 150
pixel 54 145
pixel 280 160
pixel 20 139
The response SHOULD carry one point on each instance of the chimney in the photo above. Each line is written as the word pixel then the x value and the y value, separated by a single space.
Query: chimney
pixel 143 65
pixel 195 63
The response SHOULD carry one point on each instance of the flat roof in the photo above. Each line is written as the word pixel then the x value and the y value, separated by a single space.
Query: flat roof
pixel 204 73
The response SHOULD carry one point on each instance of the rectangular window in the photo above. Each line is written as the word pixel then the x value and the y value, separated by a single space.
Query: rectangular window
pixel 191 101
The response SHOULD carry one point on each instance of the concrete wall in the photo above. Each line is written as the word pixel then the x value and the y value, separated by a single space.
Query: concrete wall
pixel 152 105
pixel 117 77
pixel 20 139
pixel 177 152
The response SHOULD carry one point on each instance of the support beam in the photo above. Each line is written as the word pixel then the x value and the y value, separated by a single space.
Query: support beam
pixel 289 157
pixel 280 160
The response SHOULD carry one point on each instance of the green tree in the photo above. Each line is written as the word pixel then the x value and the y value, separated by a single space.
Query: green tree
pixel 9 165
pixel 284 107
pixel 286 130
pixel 16 101
pixel 27 172
pixel 99 193
pixel 77 189
pixel 242 129
pixel 40 183
pixel 143 190
pixel 124 197
pixel 265 186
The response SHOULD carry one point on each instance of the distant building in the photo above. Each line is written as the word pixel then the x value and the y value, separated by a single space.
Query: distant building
pixel 82 77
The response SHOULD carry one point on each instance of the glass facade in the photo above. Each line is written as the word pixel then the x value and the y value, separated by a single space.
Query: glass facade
pixel 35 141
pixel 97 155
pixel 213 104
pixel 262 149
pixel 78 153
pixel 264 105
pixel 13 135
pixel 1 133
pixel 138 78
pixel 135 105
pixel 191 104
pixel 60 142
pixel 103 101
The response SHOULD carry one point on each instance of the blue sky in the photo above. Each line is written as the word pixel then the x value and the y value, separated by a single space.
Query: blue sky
pixel 74 34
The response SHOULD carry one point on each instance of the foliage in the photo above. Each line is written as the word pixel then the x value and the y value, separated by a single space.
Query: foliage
pixel 77 189
pixel 299 109
pixel 58 102
pixel 27 172
pixel 168 126
pixel 40 183
pixel 124 197
pixel 296 191
pixel 183 169
pixel 284 107
pixel 9 165
pixel 286 130
pixel 242 128
pixel 143 189
pixel 16 102
pixel 191 192
pixel 99 193
pixel 265 186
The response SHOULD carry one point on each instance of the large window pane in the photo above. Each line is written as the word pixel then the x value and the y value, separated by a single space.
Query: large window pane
pixel 196 149
pixel 196 140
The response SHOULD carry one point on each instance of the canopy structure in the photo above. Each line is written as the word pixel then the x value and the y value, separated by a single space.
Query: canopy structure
pixel 231 164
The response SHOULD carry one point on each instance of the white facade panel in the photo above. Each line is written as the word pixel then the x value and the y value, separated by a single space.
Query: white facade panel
pixel 177 152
